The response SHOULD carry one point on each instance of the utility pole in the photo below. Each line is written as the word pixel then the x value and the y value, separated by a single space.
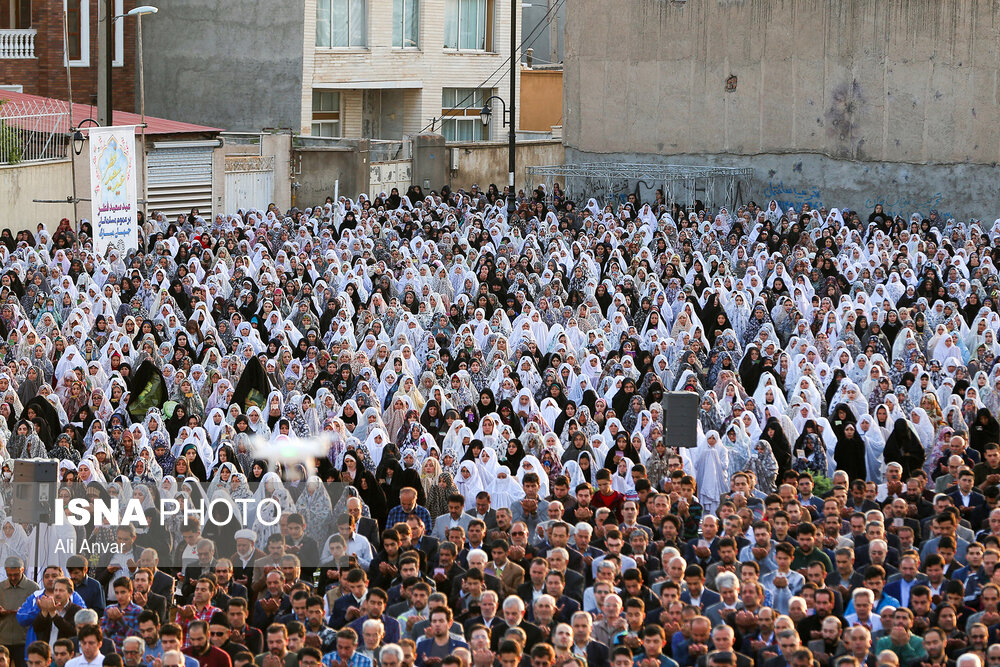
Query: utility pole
pixel 553 32
pixel 515 61
pixel 105 47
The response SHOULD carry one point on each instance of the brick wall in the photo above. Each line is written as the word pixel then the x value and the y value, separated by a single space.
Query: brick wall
pixel 46 73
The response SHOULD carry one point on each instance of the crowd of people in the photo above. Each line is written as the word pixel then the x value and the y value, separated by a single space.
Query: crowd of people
pixel 487 391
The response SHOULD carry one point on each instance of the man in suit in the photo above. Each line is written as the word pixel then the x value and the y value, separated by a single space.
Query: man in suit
pixel 421 541
pixel 900 585
pixel 228 588
pixel 584 645
pixel 704 550
pixel 723 639
pixel 555 585
pixel 202 567
pixel 162 584
pixel 696 594
pixel 448 569
pixel 788 642
pixel 513 616
pixel 558 559
pixel 534 585
pixel 875 530
pixel 489 604
pixel 559 534
pixel 844 575
pixel 511 575
pixel 729 593
pixel 970 501
pixel 455 517
pixel 829 645
pixel 878 554
pixel 363 525
pixel 143 596
pixel 348 606
pixel 483 511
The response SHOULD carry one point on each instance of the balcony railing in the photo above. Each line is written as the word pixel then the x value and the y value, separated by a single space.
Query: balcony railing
pixel 17 44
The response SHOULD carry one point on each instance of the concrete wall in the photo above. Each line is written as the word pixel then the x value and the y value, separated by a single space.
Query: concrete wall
pixel 861 82
pixel 541 99
pixel 228 63
pixel 806 179
pixel 318 168
pixel 22 183
pixel 486 162
pixel 430 161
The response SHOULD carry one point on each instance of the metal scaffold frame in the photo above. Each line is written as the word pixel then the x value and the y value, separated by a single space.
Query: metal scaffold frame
pixel 682 184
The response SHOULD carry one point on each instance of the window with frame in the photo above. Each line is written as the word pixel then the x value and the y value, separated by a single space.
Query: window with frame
pixel 460 109
pixel 326 113
pixel 74 30
pixel 406 24
pixel 341 23
pixel 468 25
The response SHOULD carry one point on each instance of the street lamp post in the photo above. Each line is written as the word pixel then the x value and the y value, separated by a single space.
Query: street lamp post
pixel 105 55
pixel 105 12
pixel 138 13
pixel 511 136
pixel 509 111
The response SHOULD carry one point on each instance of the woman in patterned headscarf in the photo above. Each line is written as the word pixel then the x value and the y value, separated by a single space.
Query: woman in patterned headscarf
pixel 437 499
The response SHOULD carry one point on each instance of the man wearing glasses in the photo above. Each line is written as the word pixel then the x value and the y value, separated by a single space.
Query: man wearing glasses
pixel 133 649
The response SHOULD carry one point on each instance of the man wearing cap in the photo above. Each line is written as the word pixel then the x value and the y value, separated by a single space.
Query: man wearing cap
pixel 220 635
pixel 13 592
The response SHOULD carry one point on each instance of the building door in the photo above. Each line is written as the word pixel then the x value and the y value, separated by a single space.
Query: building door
pixel 249 182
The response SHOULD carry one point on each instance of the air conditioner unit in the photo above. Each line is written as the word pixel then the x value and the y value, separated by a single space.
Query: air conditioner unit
pixel 454 159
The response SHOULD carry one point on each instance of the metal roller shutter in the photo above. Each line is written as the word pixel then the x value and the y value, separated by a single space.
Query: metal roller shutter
pixel 180 178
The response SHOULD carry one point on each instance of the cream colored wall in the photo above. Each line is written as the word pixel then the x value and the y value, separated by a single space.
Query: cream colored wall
pixel 22 183
pixel 431 65
pixel 485 162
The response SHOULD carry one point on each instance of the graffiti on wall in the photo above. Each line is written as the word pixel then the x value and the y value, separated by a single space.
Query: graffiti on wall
pixel 810 197
pixel 791 197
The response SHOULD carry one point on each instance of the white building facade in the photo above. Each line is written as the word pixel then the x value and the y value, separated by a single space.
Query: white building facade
pixel 381 69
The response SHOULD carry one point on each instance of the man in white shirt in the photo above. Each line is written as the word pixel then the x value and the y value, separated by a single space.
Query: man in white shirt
pixel 90 648
pixel 864 602
pixel 355 543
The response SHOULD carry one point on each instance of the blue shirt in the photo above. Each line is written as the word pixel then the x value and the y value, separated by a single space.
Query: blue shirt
pixel 357 660
pixel 29 611
pixel 93 595
pixel 398 515
pixel 424 646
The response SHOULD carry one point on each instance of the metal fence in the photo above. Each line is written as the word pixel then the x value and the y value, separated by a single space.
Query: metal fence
pixel 33 131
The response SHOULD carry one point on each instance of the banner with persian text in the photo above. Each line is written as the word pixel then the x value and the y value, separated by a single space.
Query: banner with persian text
pixel 113 199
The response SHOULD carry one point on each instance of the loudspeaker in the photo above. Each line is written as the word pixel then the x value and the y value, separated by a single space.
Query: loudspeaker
pixel 680 419
pixel 34 490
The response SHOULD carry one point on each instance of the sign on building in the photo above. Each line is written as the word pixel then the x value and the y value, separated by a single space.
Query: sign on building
pixel 113 198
